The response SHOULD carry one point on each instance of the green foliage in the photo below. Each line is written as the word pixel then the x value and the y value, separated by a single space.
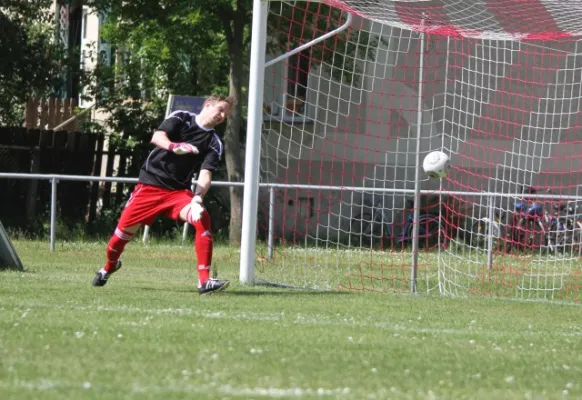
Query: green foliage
pixel 197 47
pixel 161 47
pixel 32 62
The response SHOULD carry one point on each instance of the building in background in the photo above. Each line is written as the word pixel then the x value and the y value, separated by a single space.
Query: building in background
pixel 78 27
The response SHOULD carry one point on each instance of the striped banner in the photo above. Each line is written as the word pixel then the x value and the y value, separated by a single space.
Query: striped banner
pixel 482 19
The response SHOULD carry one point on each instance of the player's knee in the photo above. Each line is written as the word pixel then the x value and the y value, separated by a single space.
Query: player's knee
pixel 200 222
pixel 125 233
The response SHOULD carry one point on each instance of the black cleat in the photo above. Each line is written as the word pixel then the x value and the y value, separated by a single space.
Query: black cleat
pixel 101 276
pixel 212 285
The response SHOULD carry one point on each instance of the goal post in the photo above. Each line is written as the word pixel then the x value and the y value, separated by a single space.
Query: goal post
pixel 254 124
pixel 253 142
pixel 356 93
pixel 9 258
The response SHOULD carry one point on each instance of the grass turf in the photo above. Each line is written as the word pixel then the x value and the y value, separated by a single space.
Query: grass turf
pixel 147 334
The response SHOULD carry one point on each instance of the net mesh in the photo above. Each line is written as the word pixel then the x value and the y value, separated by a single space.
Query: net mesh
pixel 354 115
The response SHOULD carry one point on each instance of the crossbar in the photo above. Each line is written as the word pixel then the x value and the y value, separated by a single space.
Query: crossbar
pixel 304 46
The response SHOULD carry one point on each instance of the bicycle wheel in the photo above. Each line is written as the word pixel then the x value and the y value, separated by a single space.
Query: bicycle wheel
pixel 577 240
pixel 480 234
pixel 560 236
pixel 365 232
pixel 533 235
pixel 429 232
pixel 507 241
pixel 570 240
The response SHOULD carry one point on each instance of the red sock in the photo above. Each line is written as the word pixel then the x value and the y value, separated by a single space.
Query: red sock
pixel 115 247
pixel 203 246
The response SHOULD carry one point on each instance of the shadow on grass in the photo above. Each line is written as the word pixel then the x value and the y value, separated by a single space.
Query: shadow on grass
pixel 282 292
pixel 166 289
pixel 235 292
pixel 8 270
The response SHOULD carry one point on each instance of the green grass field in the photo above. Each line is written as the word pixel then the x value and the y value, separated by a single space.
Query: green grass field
pixel 148 334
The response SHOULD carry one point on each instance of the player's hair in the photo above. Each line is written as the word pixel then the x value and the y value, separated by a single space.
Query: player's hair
pixel 216 98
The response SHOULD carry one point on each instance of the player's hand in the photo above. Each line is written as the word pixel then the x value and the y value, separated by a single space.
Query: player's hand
pixel 196 208
pixel 183 148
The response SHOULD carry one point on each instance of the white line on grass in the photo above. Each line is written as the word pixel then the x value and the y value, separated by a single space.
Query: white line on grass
pixel 299 319
pixel 270 392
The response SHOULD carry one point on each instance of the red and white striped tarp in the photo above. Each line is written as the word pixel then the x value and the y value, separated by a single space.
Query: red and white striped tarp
pixel 483 19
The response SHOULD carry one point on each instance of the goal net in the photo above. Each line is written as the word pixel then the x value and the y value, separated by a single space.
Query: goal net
pixel 348 119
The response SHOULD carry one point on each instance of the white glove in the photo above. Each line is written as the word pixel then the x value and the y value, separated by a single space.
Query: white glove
pixel 183 148
pixel 196 208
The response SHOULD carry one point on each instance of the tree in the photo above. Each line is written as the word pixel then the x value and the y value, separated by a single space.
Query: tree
pixel 211 41
pixel 191 47
pixel 235 20
pixel 32 60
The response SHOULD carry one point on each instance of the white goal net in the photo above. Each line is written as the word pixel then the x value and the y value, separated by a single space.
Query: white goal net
pixel 348 119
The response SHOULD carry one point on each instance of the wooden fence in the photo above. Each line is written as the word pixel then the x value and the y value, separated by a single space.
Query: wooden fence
pixel 71 153
pixel 50 113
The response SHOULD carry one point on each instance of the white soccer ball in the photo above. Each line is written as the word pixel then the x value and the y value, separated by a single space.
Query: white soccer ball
pixel 436 164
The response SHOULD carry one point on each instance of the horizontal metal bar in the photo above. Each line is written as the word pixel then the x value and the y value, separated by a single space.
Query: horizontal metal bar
pixel 88 178
pixel 313 42
pixel 13 147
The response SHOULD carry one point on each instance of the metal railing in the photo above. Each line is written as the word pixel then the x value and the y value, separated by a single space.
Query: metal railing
pixel 54 180
pixel 490 196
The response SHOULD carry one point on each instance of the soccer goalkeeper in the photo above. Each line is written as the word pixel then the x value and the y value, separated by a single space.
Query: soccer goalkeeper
pixel 186 144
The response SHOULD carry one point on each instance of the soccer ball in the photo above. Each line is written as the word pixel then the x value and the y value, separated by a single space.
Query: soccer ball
pixel 436 164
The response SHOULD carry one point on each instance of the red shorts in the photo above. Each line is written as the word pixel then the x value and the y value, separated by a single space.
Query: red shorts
pixel 147 202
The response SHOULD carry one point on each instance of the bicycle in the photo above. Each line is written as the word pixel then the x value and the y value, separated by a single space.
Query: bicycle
pixel 532 227
pixel 565 228
pixel 525 227
pixel 371 227
pixel 479 235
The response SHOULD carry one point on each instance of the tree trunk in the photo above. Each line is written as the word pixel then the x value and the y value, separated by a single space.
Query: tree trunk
pixel 234 166
pixel 232 136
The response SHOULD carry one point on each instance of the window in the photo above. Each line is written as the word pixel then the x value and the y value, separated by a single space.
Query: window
pixel 85 19
pixel 306 207
pixel 297 76
pixel 286 94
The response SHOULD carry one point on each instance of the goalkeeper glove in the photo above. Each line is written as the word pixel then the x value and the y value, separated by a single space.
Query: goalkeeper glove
pixel 196 208
pixel 183 148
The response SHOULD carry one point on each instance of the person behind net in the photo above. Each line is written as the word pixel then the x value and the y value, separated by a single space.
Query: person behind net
pixel 186 144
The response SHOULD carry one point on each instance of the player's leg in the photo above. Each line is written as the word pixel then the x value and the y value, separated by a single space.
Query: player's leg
pixel 115 247
pixel 140 208
pixel 202 242
pixel 203 245
pixel 121 236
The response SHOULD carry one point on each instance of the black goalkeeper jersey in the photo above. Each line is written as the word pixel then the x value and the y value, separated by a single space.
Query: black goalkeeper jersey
pixel 166 169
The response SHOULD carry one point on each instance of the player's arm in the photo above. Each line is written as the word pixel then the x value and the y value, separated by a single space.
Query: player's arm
pixel 210 163
pixel 170 128
pixel 204 182
pixel 160 139
pixel 202 186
